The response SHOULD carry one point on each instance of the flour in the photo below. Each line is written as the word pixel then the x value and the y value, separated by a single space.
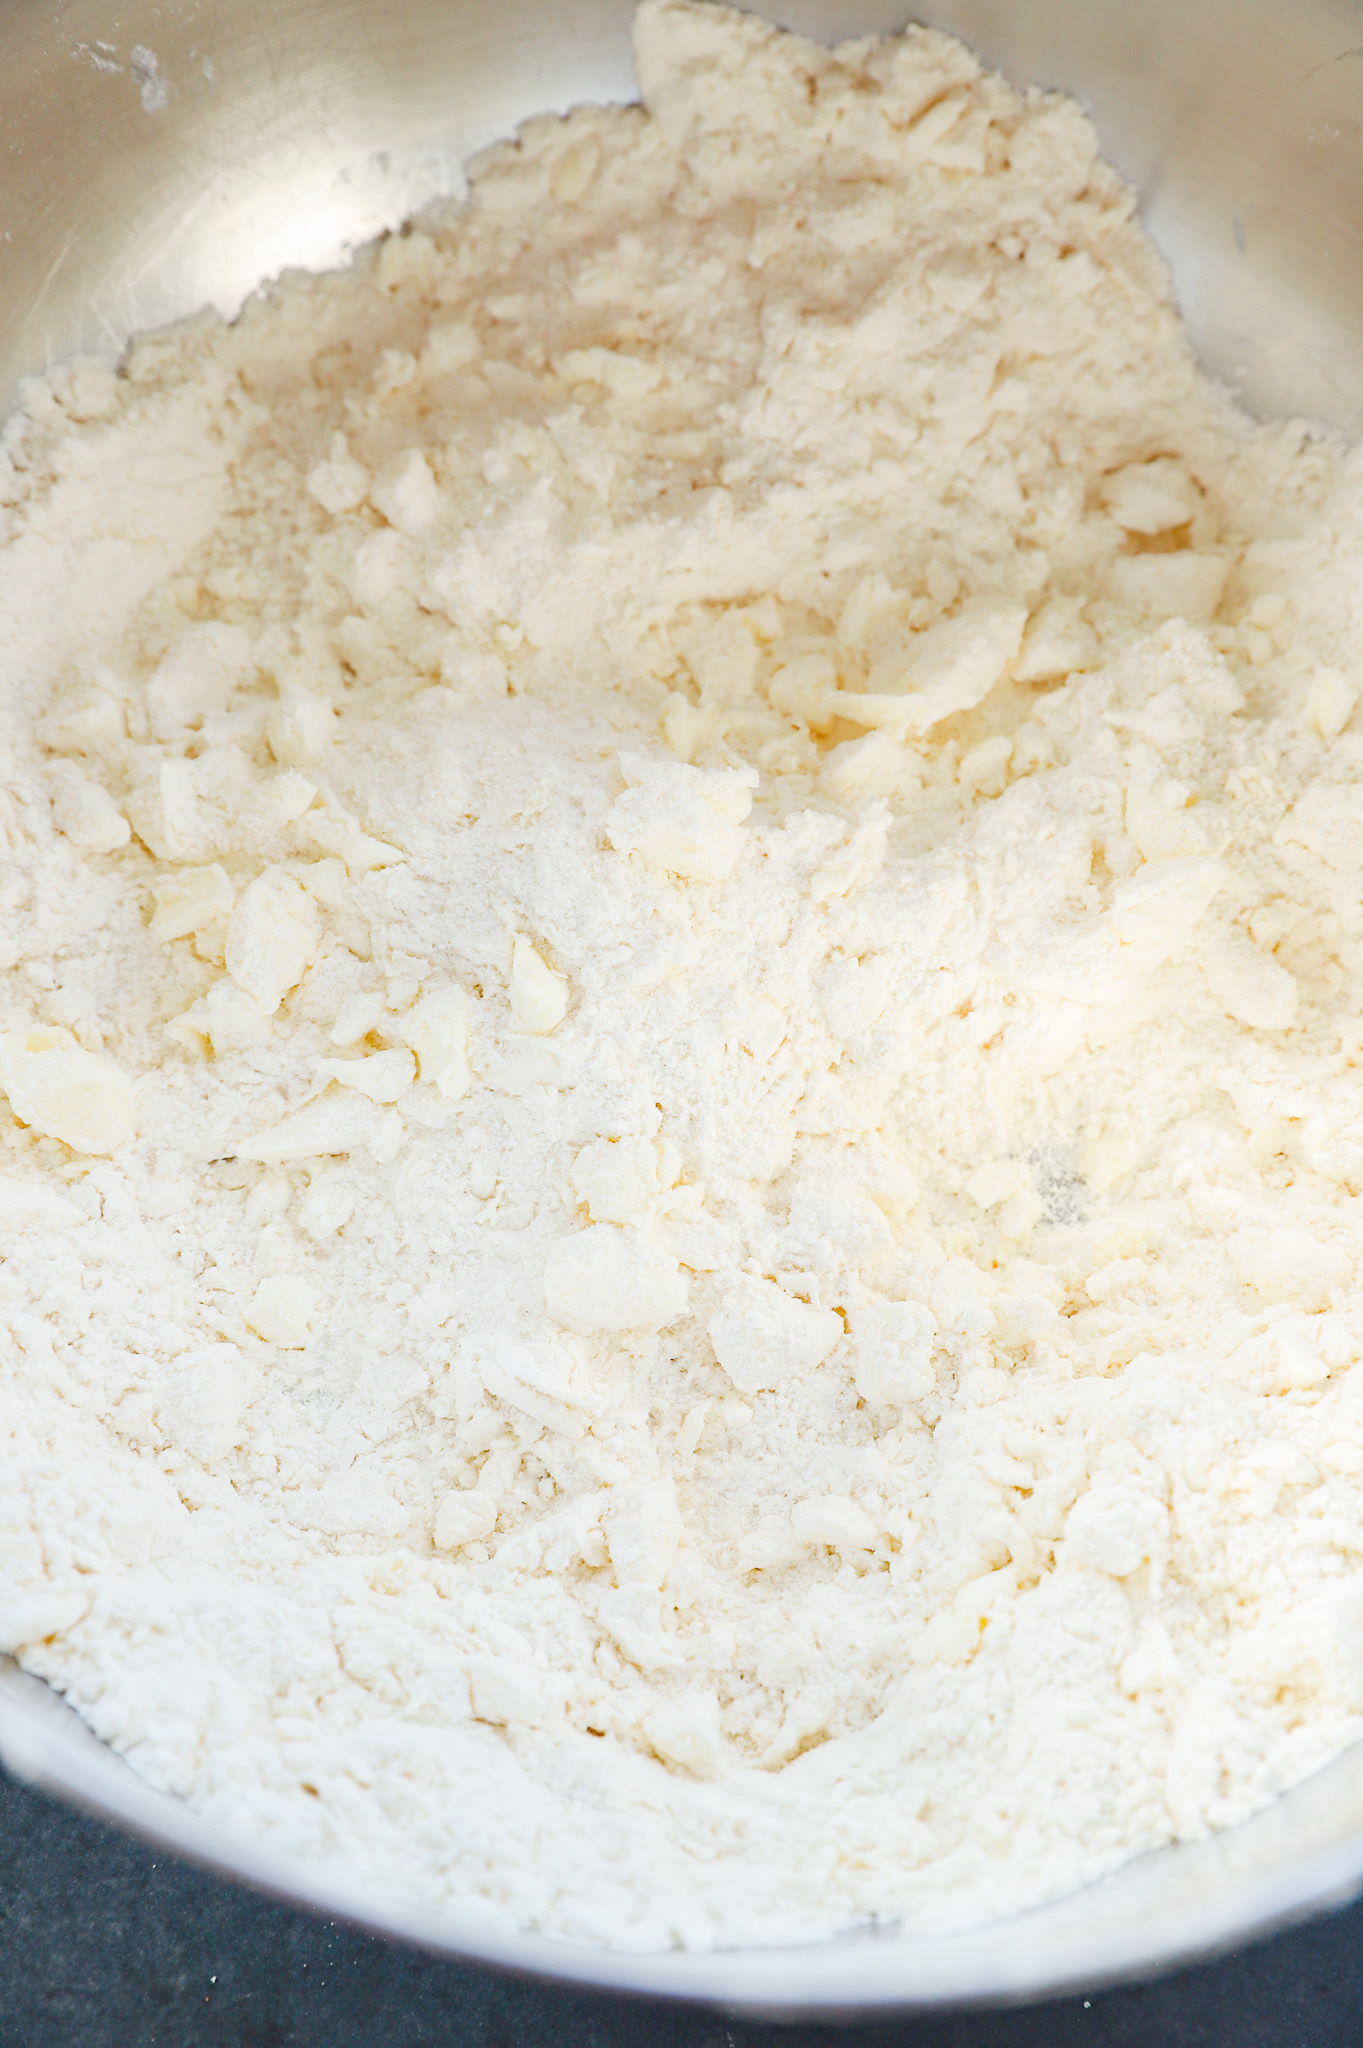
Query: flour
pixel 682 950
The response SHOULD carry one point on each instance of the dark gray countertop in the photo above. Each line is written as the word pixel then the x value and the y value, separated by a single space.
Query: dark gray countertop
pixel 105 1943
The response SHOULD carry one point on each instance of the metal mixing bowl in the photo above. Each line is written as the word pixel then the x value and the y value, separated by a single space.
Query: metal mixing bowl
pixel 159 154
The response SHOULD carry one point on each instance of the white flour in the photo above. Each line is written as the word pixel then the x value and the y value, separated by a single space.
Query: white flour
pixel 682 957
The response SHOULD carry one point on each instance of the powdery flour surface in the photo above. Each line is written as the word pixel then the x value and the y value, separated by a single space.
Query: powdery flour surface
pixel 682 959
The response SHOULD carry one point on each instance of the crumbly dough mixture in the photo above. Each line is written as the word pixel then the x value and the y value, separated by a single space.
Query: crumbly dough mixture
pixel 682 951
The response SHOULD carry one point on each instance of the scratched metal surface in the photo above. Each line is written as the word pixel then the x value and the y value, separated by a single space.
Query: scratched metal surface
pixel 155 158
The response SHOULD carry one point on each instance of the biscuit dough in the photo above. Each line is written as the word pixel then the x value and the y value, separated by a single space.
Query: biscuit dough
pixel 680 968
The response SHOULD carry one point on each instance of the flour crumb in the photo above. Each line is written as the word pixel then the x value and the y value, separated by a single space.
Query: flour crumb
pixel 680 953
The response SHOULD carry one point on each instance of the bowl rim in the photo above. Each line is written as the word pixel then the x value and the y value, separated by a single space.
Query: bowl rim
pixel 867 1973
pixel 1015 1961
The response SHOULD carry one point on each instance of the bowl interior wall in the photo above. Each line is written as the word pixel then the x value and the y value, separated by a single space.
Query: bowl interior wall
pixel 159 159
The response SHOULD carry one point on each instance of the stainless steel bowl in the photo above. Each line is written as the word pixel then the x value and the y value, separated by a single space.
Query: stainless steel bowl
pixel 158 156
